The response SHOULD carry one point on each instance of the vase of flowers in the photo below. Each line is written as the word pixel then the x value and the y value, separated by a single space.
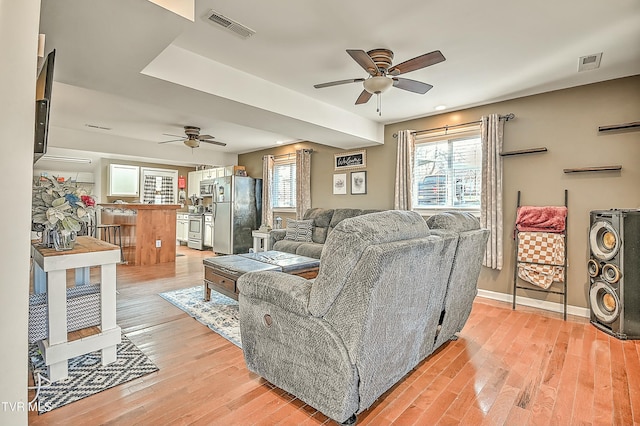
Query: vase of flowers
pixel 60 210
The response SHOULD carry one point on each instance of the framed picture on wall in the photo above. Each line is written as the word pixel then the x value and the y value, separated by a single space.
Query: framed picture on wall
pixel 358 183
pixel 340 184
pixel 350 160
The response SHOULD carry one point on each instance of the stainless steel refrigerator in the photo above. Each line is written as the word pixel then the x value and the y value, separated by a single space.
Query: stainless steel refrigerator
pixel 237 210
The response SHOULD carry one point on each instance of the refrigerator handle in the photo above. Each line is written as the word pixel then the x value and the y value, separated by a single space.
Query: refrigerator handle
pixel 213 212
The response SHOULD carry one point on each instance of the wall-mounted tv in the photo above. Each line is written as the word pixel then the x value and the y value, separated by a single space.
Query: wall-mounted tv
pixel 44 84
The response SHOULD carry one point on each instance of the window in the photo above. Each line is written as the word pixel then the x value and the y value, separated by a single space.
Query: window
pixel 160 186
pixel 447 173
pixel 283 193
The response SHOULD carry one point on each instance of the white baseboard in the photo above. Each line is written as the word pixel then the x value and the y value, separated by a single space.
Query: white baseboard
pixel 535 303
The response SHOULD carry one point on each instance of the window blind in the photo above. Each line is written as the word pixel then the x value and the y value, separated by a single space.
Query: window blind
pixel 283 193
pixel 447 173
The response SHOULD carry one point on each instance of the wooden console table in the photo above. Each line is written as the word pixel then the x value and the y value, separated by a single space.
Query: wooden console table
pixel 51 266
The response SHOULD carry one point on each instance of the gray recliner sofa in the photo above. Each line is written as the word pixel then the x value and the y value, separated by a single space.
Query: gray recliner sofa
pixel 324 221
pixel 390 290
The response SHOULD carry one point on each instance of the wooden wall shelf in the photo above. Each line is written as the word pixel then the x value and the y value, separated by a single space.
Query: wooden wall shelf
pixel 594 169
pixel 633 126
pixel 523 151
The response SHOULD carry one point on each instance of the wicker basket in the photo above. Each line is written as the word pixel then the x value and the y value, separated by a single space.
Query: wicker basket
pixel 83 310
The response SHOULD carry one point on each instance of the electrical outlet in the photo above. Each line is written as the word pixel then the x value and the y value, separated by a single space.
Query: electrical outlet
pixel 158 243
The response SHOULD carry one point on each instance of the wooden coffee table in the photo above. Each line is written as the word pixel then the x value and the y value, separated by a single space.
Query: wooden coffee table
pixel 222 272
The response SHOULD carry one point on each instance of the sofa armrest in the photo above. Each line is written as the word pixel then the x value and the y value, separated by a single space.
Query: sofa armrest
pixel 289 292
pixel 277 234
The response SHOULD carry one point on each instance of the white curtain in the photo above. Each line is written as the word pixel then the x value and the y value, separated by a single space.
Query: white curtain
pixel 404 170
pixel 491 131
pixel 267 184
pixel 303 181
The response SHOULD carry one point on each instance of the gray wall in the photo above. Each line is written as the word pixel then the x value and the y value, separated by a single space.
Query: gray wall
pixel 564 121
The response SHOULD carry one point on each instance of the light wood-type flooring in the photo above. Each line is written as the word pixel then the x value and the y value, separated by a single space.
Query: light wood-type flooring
pixel 522 367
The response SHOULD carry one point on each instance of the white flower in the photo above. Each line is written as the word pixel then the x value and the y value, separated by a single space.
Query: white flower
pixel 60 205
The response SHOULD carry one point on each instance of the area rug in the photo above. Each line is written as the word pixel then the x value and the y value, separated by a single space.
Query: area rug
pixel 87 375
pixel 221 314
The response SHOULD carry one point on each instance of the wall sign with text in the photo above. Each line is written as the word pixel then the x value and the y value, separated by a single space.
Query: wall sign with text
pixel 350 160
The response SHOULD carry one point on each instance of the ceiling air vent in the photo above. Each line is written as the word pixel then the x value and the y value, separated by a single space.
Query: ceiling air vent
pixel 229 24
pixel 589 62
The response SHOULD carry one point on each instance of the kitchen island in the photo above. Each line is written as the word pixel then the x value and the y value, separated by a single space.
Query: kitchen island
pixel 148 231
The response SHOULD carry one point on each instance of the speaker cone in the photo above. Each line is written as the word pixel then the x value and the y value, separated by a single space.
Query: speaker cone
pixel 610 273
pixel 593 267
pixel 603 240
pixel 605 304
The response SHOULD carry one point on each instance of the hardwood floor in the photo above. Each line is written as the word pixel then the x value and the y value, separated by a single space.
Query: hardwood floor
pixel 523 367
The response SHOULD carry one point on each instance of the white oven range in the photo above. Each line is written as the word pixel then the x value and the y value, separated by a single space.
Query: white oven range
pixel 196 231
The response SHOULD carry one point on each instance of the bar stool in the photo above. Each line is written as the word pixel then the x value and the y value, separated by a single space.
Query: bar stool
pixel 112 234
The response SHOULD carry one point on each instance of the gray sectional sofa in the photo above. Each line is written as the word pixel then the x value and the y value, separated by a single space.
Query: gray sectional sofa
pixel 391 289
pixel 324 221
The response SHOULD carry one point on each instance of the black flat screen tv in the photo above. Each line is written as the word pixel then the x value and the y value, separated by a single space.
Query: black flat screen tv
pixel 44 84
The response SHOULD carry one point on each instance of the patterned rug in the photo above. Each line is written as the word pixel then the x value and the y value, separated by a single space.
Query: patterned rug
pixel 87 375
pixel 220 314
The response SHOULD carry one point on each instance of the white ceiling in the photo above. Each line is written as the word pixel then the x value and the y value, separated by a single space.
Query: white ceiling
pixel 143 72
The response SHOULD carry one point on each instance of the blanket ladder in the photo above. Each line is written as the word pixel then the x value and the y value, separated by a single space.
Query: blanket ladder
pixel 562 290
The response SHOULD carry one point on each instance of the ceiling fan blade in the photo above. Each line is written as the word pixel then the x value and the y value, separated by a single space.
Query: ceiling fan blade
pixel 174 140
pixel 411 85
pixel 335 83
pixel 363 98
pixel 213 142
pixel 201 137
pixel 175 136
pixel 416 63
pixel 364 60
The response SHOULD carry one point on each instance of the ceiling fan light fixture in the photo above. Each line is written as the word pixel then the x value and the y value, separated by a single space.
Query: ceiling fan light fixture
pixel 192 142
pixel 378 84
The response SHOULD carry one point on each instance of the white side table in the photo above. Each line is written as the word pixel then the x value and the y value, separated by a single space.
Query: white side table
pixel 52 266
pixel 260 241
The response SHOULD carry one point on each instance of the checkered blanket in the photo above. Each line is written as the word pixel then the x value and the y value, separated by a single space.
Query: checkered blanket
pixel 540 258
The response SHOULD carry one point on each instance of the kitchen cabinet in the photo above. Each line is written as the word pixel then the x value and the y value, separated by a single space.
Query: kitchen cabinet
pixel 208 230
pixel 124 180
pixel 193 183
pixel 209 173
pixel 195 177
pixel 182 227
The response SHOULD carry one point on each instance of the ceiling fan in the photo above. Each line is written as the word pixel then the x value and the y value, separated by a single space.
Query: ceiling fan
pixel 193 138
pixel 383 75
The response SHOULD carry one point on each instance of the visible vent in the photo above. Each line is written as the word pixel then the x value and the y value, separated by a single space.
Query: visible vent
pixel 589 62
pixel 230 25
pixel 94 126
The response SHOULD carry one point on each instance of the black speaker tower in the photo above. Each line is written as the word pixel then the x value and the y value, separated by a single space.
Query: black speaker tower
pixel 614 272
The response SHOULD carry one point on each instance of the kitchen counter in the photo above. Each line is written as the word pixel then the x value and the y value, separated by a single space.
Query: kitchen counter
pixel 148 231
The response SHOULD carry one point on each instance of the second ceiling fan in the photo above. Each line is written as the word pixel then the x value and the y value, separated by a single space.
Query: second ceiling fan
pixel 384 75
pixel 193 138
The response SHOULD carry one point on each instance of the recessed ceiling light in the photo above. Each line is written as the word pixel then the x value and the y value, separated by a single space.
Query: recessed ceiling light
pixel 440 107
pixel 279 142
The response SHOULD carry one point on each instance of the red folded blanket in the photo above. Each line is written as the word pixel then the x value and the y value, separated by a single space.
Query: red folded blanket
pixel 541 219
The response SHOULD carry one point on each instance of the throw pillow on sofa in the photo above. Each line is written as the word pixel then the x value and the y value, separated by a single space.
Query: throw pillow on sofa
pixel 299 230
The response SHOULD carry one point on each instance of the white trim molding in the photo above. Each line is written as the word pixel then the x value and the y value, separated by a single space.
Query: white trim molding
pixel 535 303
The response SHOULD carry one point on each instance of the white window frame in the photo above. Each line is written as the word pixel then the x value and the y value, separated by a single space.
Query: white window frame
pixel 280 162
pixel 444 136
